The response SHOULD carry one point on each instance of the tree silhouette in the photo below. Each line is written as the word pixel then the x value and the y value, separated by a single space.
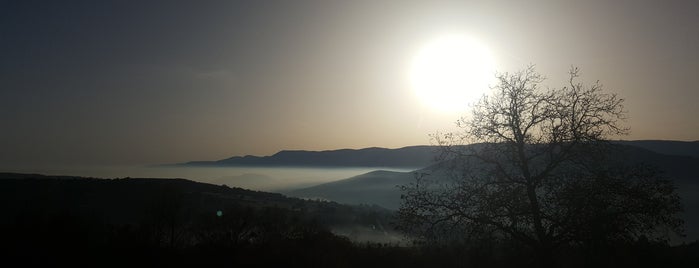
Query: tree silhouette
pixel 539 171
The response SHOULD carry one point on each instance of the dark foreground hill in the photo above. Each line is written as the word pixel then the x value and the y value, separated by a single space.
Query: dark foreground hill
pixel 63 219
pixel 73 221
pixel 134 200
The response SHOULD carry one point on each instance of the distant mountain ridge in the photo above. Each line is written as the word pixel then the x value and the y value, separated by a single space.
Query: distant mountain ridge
pixel 409 157
pixel 668 147
pixel 406 157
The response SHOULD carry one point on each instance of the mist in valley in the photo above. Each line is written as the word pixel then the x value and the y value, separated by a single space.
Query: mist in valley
pixel 272 179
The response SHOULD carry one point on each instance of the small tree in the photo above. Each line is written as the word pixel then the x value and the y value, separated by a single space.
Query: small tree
pixel 530 165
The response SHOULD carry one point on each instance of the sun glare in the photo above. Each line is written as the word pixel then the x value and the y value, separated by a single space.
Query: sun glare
pixel 451 72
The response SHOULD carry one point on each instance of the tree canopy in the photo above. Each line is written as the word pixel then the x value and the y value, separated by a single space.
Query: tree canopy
pixel 535 166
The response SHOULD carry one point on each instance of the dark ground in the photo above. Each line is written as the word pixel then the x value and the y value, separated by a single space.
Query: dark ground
pixel 48 221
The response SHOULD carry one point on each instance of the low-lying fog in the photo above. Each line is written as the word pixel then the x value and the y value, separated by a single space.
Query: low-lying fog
pixel 255 178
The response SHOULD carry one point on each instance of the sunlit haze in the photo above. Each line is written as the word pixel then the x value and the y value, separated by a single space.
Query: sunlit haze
pixel 451 72
pixel 151 82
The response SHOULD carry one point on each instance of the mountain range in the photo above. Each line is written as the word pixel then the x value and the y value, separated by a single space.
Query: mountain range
pixel 406 157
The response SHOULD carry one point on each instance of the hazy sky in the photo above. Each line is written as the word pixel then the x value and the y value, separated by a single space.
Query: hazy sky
pixel 142 82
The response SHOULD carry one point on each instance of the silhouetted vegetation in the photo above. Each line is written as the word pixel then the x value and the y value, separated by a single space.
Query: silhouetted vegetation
pixel 543 178
pixel 74 220
pixel 174 222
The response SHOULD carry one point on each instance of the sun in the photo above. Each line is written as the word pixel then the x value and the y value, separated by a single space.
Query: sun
pixel 452 72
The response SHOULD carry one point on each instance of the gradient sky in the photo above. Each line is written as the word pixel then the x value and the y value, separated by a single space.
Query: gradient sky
pixel 143 82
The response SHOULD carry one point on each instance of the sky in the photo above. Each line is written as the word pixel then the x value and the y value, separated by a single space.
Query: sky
pixel 148 82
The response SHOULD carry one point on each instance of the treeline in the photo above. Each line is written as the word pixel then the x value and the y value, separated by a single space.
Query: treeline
pixel 163 222
pixel 47 220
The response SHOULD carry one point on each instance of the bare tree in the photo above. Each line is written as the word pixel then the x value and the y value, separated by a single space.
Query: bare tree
pixel 530 165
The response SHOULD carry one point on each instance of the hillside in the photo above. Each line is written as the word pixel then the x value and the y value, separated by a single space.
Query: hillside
pixel 376 187
pixel 76 221
pixel 685 148
pixel 135 201
pixel 381 187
